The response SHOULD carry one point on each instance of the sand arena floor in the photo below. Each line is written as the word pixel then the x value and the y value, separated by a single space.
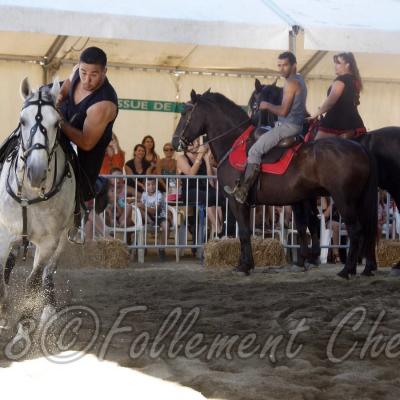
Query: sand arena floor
pixel 192 332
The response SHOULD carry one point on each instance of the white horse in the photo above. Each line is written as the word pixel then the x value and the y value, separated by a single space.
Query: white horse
pixel 37 194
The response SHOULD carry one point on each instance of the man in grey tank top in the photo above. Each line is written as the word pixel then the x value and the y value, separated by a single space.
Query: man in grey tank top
pixel 291 114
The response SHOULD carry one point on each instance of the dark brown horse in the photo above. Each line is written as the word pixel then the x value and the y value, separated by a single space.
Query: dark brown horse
pixel 383 145
pixel 352 185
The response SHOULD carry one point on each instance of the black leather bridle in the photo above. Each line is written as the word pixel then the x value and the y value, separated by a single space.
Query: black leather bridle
pixel 27 150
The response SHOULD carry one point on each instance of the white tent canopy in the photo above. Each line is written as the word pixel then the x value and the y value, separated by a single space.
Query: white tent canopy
pixel 220 44
pixel 209 22
pixel 229 35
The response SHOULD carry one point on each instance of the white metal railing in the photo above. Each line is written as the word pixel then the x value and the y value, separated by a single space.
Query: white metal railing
pixel 192 218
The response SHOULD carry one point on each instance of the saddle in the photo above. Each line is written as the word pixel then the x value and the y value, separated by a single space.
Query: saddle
pixel 276 153
pixel 276 161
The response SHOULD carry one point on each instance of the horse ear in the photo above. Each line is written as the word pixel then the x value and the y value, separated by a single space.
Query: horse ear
pixel 258 85
pixel 275 82
pixel 25 89
pixel 55 89
pixel 193 96
pixel 207 91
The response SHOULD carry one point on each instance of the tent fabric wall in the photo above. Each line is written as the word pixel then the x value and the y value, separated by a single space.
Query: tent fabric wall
pixel 12 73
pixel 379 100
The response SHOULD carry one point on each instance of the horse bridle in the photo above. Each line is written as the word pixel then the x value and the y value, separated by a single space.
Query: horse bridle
pixel 40 102
pixel 182 139
pixel 256 109
pixel 186 142
pixel 56 186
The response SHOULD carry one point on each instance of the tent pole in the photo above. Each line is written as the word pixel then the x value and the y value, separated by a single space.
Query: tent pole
pixel 293 38
pixel 49 58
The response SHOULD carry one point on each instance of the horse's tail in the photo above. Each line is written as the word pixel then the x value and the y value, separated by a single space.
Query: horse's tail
pixel 369 211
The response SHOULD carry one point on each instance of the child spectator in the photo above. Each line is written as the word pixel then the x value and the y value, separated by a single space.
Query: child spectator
pixel 153 209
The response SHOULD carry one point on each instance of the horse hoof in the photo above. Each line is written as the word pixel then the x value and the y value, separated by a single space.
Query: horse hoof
pixel 240 270
pixel 315 262
pixel 343 274
pixel 298 268
pixel 367 273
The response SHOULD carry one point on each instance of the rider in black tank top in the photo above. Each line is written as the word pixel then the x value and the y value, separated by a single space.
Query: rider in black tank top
pixel 90 161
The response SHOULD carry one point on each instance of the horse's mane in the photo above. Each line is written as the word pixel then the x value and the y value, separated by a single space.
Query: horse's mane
pixel 223 102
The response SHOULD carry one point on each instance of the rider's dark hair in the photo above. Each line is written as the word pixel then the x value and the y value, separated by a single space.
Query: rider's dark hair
pixel 288 55
pixel 94 55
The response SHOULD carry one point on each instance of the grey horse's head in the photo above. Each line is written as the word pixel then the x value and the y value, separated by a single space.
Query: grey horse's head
pixel 39 121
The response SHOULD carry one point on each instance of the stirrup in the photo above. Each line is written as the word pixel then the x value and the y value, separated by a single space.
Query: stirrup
pixel 231 191
pixel 76 235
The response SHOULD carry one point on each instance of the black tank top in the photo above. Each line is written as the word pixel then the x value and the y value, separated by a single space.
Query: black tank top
pixel 90 161
pixel 344 114
pixel 191 184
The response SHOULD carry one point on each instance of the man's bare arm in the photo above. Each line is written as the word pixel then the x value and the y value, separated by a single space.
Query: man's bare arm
pixel 288 96
pixel 97 119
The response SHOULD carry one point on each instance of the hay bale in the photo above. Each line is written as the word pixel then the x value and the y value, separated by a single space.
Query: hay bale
pixel 388 253
pixel 103 253
pixel 226 253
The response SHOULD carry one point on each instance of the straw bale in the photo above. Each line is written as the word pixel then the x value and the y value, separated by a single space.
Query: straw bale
pixel 104 253
pixel 226 253
pixel 388 253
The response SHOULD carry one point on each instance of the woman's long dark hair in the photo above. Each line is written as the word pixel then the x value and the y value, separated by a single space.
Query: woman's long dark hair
pixel 350 59
pixel 154 145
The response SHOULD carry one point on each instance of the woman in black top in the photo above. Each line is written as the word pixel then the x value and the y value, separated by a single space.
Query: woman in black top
pixel 137 166
pixel 340 107
pixel 196 161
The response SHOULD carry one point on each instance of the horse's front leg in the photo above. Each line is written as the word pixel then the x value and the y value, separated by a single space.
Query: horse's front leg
pixel 242 215
pixel 314 226
pixel 350 268
pixel 43 254
pixel 5 242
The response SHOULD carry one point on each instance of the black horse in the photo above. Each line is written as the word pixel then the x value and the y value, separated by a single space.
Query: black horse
pixel 352 186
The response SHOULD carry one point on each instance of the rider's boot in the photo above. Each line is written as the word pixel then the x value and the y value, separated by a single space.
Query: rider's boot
pixel 241 190
pixel 75 233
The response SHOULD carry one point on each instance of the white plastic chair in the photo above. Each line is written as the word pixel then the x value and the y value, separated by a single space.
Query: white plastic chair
pixel 138 229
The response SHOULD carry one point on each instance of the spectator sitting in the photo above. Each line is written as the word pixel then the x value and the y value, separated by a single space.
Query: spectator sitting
pixel 113 158
pixel 117 201
pixel 153 209
pixel 167 166
pixel 137 166
pixel 151 156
